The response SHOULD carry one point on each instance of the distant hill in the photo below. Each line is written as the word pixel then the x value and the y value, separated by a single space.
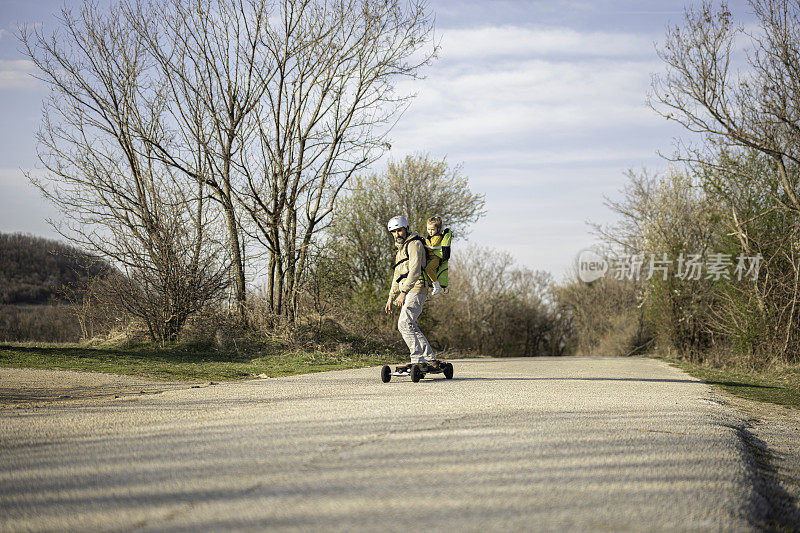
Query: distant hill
pixel 33 270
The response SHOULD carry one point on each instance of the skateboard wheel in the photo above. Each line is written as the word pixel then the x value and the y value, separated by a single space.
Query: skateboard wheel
pixel 448 371
pixel 416 373
pixel 386 374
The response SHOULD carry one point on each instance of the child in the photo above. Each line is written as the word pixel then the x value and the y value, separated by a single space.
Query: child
pixel 433 242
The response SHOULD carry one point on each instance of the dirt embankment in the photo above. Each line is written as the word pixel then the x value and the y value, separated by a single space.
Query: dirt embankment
pixel 774 435
pixel 27 387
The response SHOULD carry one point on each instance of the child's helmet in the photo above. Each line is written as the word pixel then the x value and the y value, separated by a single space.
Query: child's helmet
pixel 397 223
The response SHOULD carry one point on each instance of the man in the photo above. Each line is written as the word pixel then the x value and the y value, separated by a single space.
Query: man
pixel 409 290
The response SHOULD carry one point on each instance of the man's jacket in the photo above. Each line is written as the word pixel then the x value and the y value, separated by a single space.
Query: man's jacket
pixel 408 264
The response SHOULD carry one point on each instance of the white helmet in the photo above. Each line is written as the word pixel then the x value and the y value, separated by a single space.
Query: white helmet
pixel 397 223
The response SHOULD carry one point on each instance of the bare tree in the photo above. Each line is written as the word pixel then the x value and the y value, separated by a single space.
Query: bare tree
pixel 209 58
pixel 265 107
pixel 751 109
pixel 83 297
pixel 120 201
pixel 330 99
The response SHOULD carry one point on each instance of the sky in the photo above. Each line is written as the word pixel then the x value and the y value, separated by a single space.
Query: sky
pixel 542 103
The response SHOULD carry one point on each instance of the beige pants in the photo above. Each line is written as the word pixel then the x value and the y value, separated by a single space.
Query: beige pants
pixel 418 345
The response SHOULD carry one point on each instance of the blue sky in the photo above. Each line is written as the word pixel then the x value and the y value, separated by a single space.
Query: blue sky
pixel 543 102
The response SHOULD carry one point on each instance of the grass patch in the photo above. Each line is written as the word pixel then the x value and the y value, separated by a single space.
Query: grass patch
pixel 190 361
pixel 780 386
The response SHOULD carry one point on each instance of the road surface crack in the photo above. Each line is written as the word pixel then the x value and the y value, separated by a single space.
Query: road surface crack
pixel 336 449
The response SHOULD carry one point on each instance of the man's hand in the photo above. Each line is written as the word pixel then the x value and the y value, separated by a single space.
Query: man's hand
pixel 401 299
pixel 388 307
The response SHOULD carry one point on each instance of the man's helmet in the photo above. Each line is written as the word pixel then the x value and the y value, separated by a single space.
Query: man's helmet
pixel 397 223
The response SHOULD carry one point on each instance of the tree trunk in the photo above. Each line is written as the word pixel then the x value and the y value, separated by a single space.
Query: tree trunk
pixel 237 263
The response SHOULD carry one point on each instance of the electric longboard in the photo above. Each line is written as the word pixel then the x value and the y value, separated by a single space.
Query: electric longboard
pixel 417 371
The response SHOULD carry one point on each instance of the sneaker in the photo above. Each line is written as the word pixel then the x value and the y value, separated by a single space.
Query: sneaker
pixel 437 288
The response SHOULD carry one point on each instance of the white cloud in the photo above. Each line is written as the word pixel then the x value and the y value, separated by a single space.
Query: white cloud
pixel 515 41
pixel 16 74
pixel 545 122
pixel 502 87
pixel 527 100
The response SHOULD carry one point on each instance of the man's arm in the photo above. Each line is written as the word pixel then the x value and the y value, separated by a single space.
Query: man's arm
pixel 395 289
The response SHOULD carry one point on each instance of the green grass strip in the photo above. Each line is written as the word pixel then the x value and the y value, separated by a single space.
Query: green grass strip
pixel 187 362
pixel 780 386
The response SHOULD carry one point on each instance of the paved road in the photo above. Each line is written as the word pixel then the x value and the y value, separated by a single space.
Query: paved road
pixel 546 444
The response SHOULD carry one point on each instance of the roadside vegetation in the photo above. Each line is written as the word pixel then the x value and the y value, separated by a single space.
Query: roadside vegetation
pixel 228 176
pixel 494 306
pixel 778 385
pixel 198 361
pixel 704 259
